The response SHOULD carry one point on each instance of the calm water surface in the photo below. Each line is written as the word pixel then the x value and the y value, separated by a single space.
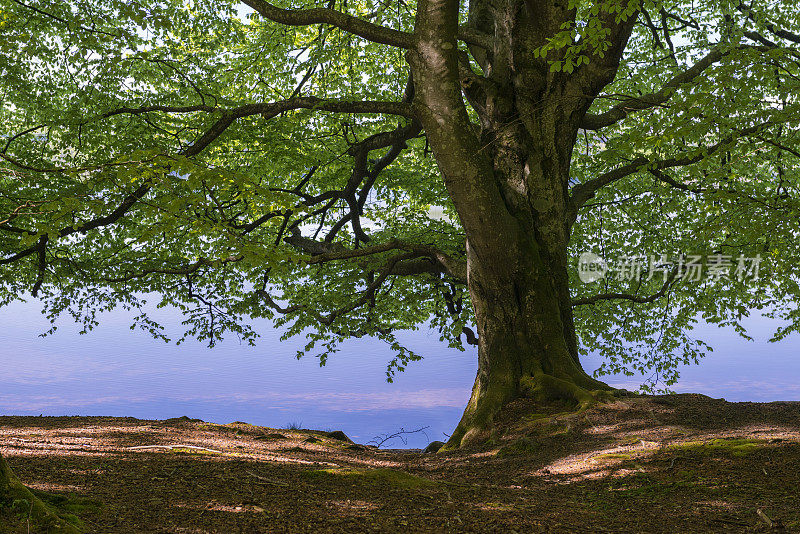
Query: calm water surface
pixel 116 371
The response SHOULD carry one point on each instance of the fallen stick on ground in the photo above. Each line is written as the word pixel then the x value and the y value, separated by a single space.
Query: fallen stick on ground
pixel 172 447
pixel 764 518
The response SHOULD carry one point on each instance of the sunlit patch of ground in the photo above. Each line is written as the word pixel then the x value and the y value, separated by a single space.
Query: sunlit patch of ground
pixel 354 507
pixel 44 436
pixel 724 505
pixel 494 507
pixel 607 461
pixel 50 487
pixel 684 463
pixel 220 507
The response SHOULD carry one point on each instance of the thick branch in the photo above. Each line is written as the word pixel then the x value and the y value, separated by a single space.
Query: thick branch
pixel 366 296
pixel 306 17
pixel 470 35
pixel 322 252
pixel 625 296
pixel 472 338
pixel 269 110
pixel 165 109
pixel 97 222
pixel 472 85
pixel 778 32
pixel 465 166
pixel 593 121
pixel 189 269
pixel 583 192
pixel 602 69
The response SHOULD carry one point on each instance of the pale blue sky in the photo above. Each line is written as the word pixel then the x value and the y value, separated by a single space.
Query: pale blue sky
pixel 116 371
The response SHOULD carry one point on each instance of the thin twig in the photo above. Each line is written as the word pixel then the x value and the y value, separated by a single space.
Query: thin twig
pixel 380 439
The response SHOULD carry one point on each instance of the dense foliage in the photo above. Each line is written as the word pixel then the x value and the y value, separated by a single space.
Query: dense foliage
pixel 199 154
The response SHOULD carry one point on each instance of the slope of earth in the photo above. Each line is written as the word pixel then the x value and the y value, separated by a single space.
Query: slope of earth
pixel 680 463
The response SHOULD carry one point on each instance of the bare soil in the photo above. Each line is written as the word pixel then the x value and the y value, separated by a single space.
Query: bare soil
pixel 680 463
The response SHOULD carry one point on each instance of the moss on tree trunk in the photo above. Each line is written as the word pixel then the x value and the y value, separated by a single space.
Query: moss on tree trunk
pixel 526 336
pixel 16 499
pixel 508 176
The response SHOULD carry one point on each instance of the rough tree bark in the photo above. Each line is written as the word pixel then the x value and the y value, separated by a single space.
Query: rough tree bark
pixel 509 184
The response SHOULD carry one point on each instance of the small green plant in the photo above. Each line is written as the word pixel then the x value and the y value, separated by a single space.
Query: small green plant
pixel 21 507
pixel 733 447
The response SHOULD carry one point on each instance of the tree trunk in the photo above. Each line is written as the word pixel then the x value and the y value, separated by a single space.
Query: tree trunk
pixel 508 177
pixel 526 337
pixel 517 272
pixel 19 499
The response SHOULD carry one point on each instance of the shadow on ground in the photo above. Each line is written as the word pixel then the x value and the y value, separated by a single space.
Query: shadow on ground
pixel 683 463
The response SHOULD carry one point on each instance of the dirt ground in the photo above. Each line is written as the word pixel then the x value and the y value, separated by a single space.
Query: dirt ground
pixel 681 463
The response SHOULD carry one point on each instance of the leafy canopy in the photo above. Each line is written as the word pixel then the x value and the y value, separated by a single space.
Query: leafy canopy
pixel 201 154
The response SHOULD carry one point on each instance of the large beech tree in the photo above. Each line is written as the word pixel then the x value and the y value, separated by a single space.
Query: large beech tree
pixel 283 160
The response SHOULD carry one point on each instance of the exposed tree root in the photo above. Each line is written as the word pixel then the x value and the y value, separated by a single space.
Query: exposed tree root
pixel 544 387
pixel 16 499
pixel 582 390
